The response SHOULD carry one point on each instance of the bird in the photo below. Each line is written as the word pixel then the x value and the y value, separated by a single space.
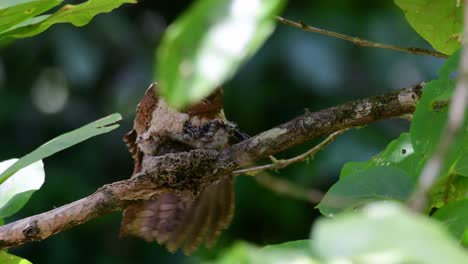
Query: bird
pixel 180 219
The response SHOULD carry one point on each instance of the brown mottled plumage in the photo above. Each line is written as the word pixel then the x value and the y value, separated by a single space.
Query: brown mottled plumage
pixel 179 220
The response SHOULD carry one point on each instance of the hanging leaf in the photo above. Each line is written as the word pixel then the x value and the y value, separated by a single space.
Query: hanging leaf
pixel 440 22
pixel 206 45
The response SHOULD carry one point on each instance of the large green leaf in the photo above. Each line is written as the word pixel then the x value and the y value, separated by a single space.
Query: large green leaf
pixel 6 258
pixel 375 183
pixel 13 12
pixel 385 232
pixel 454 216
pixel 206 45
pixel 440 22
pixel 78 15
pixel 62 142
pixel 17 189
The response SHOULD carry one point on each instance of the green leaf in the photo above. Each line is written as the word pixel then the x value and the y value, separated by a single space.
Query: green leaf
pixel 455 217
pixel 13 12
pixel 399 153
pixel 430 116
pixel 62 142
pixel 301 245
pixel 78 15
pixel 462 166
pixel 290 252
pixel 388 175
pixel 464 240
pixel 6 258
pixel 17 189
pixel 385 232
pixel 450 65
pixel 375 183
pixel 240 252
pixel 448 189
pixel 440 22
pixel 206 45
pixel 429 121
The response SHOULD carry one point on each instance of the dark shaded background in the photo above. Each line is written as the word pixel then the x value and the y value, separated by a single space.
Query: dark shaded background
pixel 67 76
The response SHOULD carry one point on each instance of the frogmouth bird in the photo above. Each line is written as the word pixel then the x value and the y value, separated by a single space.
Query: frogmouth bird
pixel 180 219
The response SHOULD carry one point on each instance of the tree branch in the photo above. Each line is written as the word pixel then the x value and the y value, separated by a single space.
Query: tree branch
pixel 195 169
pixel 359 41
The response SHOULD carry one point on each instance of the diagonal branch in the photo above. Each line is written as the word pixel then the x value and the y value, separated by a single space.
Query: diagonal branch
pixel 195 169
pixel 359 41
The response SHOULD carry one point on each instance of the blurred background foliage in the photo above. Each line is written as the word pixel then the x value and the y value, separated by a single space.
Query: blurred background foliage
pixel 68 76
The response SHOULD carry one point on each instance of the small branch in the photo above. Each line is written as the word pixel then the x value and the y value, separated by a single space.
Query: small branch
pixel 456 116
pixel 284 187
pixel 196 168
pixel 287 188
pixel 358 41
pixel 282 163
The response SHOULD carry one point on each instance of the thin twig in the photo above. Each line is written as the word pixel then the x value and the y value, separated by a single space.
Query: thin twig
pixel 456 116
pixel 359 41
pixel 287 188
pixel 284 187
pixel 282 163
